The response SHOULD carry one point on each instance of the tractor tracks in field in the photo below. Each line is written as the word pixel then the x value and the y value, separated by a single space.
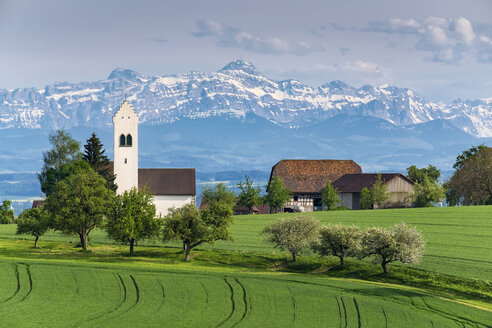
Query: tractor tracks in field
pixel 123 306
pixel 234 304
pixel 22 272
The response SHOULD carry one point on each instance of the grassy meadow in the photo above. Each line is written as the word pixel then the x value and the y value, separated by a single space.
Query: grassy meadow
pixel 248 283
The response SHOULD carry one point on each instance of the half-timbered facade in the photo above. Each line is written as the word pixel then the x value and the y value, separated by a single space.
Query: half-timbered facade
pixel 307 179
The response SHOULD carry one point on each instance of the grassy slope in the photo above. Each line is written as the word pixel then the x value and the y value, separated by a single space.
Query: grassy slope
pixel 459 244
pixel 80 292
pixel 458 239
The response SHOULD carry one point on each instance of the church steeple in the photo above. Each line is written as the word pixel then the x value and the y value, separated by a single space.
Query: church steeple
pixel 125 143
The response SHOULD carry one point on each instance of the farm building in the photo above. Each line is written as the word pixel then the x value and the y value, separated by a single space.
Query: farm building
pixel 170 187
pixel 307 179
pixel 350 185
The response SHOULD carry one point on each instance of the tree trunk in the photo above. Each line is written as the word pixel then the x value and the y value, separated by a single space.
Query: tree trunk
pixel 81 237
pixel 84 238
pixel 294 257
pixel 385 269
pixel 342 262
pixel 36 242
pixel 132 243
pixel 187 251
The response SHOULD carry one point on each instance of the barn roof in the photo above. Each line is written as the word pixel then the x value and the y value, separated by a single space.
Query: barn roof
pixel 357 182
pixel 168 181
pixel 310 176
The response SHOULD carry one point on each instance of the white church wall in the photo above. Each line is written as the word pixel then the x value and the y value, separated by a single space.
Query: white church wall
pixel 165 202
pixel 125 122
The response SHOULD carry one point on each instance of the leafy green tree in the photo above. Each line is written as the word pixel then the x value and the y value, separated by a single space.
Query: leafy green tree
pixel 187 225
pixel 249 195
pixel 53 175
pixel 379 192
pixel 338 240
pixel 295 235
pixel 471 183
pixel 34 222
pixel 417 175
pixel 218 216
pixel 401 243
pixel 64 150
pixel 329 196
pixel 426 191
pixel 366 201
pixel 467 154
pixel 277 195
pixel 6 213
pixel 132 217
pixel 79 203
pixel 94 155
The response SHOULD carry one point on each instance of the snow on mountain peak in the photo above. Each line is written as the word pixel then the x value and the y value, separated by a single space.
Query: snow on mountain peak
pixel 123 74
pixel 236 90
pixel 240 65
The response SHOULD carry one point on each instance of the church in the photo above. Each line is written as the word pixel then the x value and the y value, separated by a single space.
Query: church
pixel 170 187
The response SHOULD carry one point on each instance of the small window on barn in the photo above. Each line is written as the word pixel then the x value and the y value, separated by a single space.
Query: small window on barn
pixel 122 140
pixel 129 140
pixel 126 161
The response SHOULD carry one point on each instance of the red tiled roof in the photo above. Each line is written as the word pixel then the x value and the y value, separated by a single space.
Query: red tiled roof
pixel 310 176
pixel 357 182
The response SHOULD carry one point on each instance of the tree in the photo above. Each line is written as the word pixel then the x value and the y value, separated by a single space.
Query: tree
pixel 185 224
pixel 249 195
pixel 329 196
pixel 64 150
pixel 79 203
pixel 338 240
pixel 417 175
pixel 132 217
pixel 401 243
pixel 366 201
pixel 277 195
pixel 218 216
pixel 379 192
pixel 471 183
pixel 6 212
pixel 94 155
pixel 34 222
pixel 294 235
pixel 426 191
pixel 467 154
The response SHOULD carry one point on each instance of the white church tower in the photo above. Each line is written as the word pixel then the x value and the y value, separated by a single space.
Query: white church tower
pixel 125 143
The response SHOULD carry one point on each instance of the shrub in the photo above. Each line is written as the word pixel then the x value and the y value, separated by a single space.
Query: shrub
pixel 295 235
pixel 338 240
pixel 401 243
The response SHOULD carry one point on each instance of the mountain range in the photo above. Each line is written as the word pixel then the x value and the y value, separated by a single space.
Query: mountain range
pixel 236 120
pixel 236 90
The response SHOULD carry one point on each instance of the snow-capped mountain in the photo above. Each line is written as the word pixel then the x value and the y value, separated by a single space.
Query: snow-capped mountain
pixel 236 90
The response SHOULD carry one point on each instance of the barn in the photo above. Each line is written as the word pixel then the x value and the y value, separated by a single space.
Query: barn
pixel 307 179
pixel 398 185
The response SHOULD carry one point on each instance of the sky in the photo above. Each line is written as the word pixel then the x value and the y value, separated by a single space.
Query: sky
pixel 440 49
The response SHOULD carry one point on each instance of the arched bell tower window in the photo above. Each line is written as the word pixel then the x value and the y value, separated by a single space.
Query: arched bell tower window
pixel 122 140
pixel 129 140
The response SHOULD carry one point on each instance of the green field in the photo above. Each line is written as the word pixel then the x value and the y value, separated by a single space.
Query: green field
pixel 37 294
pixel 247 283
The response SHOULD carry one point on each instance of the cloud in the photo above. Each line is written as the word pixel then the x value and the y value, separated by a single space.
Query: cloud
pixel 156 39
pixel 231 37
pixel 344 50
pixel 446 40
pixel 360 66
